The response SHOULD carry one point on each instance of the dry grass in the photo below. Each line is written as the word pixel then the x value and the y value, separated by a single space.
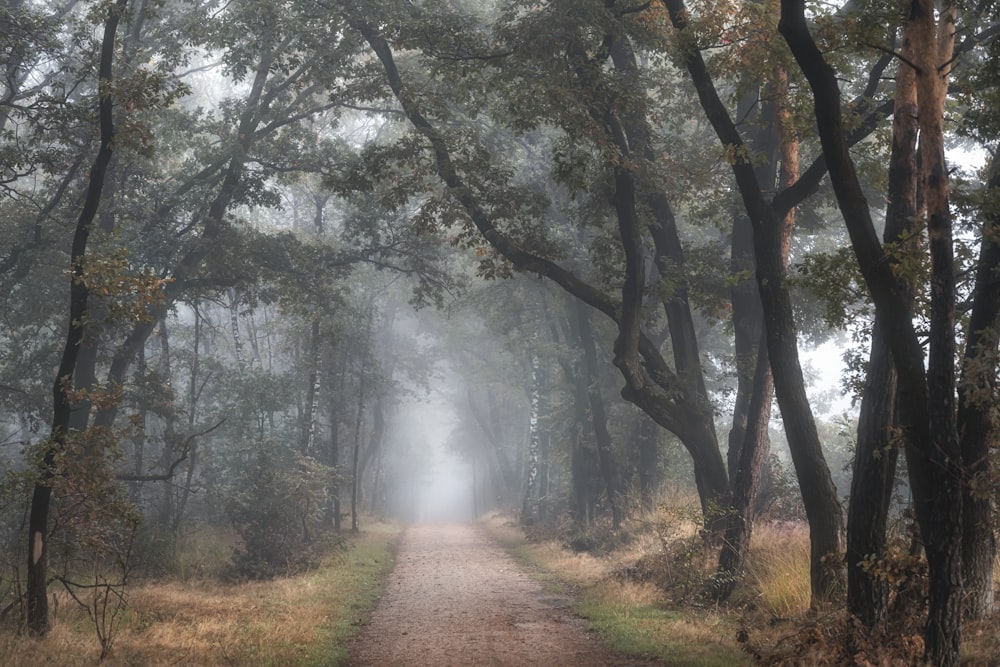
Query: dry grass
pixel 629 615
pixel 300 620
pixel 778 571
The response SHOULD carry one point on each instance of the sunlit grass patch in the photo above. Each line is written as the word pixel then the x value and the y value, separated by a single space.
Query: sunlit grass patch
pixel 295 621
pixel 778 569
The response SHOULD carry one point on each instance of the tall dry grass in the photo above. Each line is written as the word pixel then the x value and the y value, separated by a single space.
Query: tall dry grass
pixel 778 568
pixel 301 620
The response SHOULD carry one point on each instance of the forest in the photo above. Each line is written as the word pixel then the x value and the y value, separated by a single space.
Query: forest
pixel 273 270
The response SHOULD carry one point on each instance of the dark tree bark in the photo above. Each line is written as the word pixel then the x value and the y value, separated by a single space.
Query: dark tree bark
pixel 648 449
pixel 976 421
pixel 748 479
pixel 356 450
pixel 878 448
pixel 37 577
pixel 749 440
pixel 932 448
pixel 819 495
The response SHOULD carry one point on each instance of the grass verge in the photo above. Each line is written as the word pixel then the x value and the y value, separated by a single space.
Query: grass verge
pixel 300 621
pixel 630 617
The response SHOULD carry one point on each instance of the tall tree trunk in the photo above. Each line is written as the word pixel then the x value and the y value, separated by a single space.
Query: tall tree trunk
pixel 753 458
pixel 531 465
pixel 334 460
pixel 932 452
pixel 749 440
pixel 933 47
pixel 167 509
pixel 194 392
pixel 877 451
pixel 38 519
pixel 355 457
pixel 598 416
pixel 699 438
pixel 312 395
pixel 976 420
pixel 648 446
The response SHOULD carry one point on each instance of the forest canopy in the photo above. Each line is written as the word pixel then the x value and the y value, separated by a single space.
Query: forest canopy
pixel 242 240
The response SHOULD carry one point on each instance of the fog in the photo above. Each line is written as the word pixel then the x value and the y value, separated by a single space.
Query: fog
pixel 442 490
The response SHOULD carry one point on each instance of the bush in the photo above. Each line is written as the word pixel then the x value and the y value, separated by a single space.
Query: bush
pixel 276 507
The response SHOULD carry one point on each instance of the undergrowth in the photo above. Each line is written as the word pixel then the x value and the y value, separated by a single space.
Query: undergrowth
pixel 642 588
pixel 203 618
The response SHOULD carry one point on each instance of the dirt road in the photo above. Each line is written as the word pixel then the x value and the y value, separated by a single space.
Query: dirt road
pixel 455 598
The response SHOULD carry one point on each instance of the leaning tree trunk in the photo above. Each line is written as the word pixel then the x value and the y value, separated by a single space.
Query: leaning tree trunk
pixel 819 495
pixel 38 519
pixel 932 452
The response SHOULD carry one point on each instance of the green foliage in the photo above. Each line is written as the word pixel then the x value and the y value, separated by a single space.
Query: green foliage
pixel 834 280
pixel 276 505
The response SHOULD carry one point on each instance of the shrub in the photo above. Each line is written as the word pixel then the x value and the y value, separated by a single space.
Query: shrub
pixel 276 507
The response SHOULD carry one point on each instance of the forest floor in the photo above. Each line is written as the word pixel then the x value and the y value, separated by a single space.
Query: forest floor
pixel 456 598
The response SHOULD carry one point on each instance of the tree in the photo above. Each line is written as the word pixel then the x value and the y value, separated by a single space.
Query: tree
pixel 927 398
pixel 38 579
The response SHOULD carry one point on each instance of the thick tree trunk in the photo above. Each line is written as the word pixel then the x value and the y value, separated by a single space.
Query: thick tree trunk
pixel 976 421
pixel 932 452
pixel 700 440
pixel 933 47
pixel 871 487
pixel 877 452
pixel 38 519
pixel 648 449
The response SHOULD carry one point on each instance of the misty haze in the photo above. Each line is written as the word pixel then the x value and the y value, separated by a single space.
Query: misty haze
pixel 499 332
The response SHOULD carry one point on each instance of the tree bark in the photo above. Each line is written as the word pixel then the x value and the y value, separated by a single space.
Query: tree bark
pixel 878 448
pixel 976 421
pixel 932 453
pixel 933 48
pixel 312 393
pixel 753 457
pixel 648 446
pixel 598 416
pixel 531 466
pixel 815 483
pixel 38 519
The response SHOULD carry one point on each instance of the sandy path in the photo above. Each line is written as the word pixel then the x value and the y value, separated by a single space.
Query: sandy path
pixel 455 598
